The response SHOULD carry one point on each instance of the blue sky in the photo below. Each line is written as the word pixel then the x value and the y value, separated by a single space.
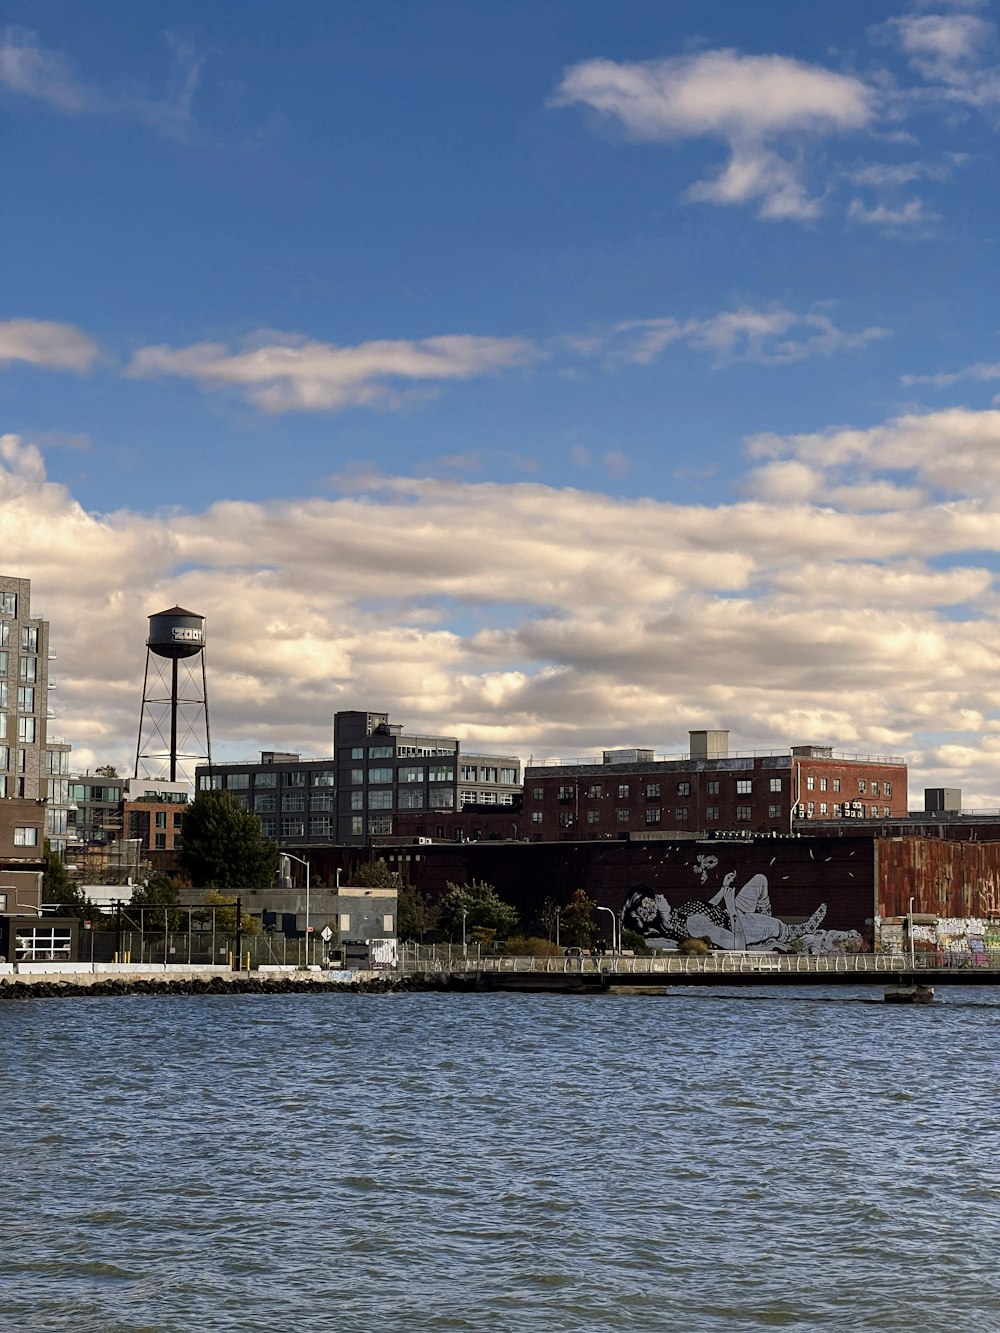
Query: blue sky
pixel 560 348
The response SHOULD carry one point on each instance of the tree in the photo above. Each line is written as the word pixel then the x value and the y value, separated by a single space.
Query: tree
pixel 59 890
pixel 577 920
pixel 485 911
pixel 159 890
pixel 225 914
pixel 223 846
pixel 107 771
pixel 415 914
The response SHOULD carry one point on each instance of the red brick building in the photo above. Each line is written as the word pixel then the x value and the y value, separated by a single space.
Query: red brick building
pixel 709 791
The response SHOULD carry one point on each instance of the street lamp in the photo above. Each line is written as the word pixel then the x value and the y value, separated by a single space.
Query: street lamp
pixel 464 915
pixel 614 924
pixel 913 957
pixel 290 856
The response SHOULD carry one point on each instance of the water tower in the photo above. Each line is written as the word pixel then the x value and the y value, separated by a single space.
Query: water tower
pixel 174 702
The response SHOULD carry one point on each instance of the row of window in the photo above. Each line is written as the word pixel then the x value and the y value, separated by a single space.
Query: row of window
pixel 654 815
pixel 27 729
pixel 840 811
pixel 439 798
pixel 432 773
pixel 595 791
pixel 241 781
pixel 295 827
pixel 27 671
pixel 864 786
pixel 29 635
pixel 486 798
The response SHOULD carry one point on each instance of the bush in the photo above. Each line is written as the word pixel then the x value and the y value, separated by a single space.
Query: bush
pixel 533 946
pixel 694 947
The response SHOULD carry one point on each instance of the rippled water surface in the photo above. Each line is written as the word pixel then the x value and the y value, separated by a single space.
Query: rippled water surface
pixel 697 1161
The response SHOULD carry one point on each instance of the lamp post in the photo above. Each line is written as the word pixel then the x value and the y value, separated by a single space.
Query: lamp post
pixel 913 957
pixel 464 915
pixel 614 924
pixel 303 862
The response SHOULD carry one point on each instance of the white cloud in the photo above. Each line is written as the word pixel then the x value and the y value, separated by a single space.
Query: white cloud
pixel 285 372
pixel 50 346
pixel 31 70
pixel 951 52
pixel 773 336
pixel 820 610
pixel 749 102
pixel 982 370
pixel 909 214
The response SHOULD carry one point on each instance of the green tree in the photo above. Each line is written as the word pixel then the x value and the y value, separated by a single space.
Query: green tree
pixel 225 914
pixel 577 920
pixel 223 846
pixel 159 890
pixel 107 771
pixel 59 890
pixel 485 911
pixel 416 916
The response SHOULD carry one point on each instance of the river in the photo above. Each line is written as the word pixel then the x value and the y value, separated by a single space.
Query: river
pixel 719 1161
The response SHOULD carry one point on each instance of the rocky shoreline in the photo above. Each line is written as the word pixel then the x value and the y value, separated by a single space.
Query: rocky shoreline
pixel 13 989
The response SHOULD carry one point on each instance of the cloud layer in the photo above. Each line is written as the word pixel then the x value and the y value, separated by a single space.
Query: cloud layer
pixel 849 599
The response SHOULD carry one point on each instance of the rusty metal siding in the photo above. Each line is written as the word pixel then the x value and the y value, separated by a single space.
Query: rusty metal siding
pixel 944 878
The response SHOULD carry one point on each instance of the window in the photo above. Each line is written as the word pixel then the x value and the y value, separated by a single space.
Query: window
pixel 711 812
pixel 293 802
pixel 344 920
pixel 292 826
pixel 357 800
pixel 873 811
pixel 837 811
pixel 319 826
pixel 467 797
pixel 489 775
pixel 3 694
pixel 810 784
pixel 324 778
pixel 836 784
pixel 811 809
pixel 623 791
pixel 387 921
pixel 380 775
pixel 538 793
pixel 594 791
pixel 411 799
pixel 380 824
pixel 357 777
pixel 265 801
pixel 358 752
pixel 29 639
pixel 296 779
pixel 8 604
pixel 622 816
pixel 774 812
pixel 357 825
pixel 25 837
pixel 652 791
pixel 683 789
pixel 565 793
pixel 713 787
pixel 886 788
pixel 487 798
pixel 743 813
pixel 652 814
pixel 22 761
pixel 593 816
pixel 321 800
pixel 236 781
pixel 775 784
pixel 508 775
pixel 822 784
pixel 822 808
pixel 26 698
pixel 380 800
pixel 469 772
pixel 29 668
pixel 443 773
pixel 886 812
pixel 411 774
pixel 442 798
pixel 178 819
pixel 159 842
pixel 743 786
pixel 26 730
pixel 265 779
pixel 536 816
pixel 565 818
pixel 862 785
pixel 380 752
pixel 161 819
pixel 4 661
pixel 4 756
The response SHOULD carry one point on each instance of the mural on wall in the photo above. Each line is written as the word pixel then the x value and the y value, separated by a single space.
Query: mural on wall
pixel 731 919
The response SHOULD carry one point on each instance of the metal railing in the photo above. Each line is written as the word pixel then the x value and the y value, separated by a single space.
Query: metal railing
pixel 439 960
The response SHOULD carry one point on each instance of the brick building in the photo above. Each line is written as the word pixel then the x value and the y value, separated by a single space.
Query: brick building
pixel 632 792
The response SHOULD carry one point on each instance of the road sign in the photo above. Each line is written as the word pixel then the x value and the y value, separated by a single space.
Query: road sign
pixel 327 934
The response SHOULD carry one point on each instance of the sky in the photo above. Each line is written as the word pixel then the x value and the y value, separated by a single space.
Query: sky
pixel 561 375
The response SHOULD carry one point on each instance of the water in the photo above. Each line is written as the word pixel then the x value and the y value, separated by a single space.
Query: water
pixel 732 1161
